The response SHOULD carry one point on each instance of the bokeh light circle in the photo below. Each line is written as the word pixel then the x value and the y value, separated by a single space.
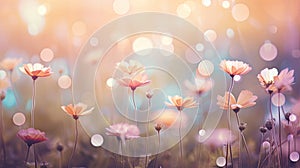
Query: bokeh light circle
pixel 237 78
pixel 202 132
pixel 110 82
pixel 141 45
pixel 97 140
pixel 268 51
pixel 47 55
pixel 183 10
pixel 79 28
pixel 292 117
pixel 266 145
pixel 205 68
pixel 206 3
pixel 240 12
pixel 64 81
pixel 121 7
pixel 226 4
pixel 2 74
pixel 210 35
pixel 221 161
pixel 294 156
pixel 278 99
pixel 19 119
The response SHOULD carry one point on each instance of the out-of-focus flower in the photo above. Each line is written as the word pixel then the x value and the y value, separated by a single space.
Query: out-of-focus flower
pixel 135 81
pixel 123 131
pixel 32 136
pixel 267 79
pixel 10 63
pixel 293 126
pixel 149 94
pixel 220 137
pixel 235 67
pixel 130 67
pixel 181 103
pixel 158 127
pixel 201 86
pixel 245 99
pixel 77 110
pixel 284 80
pixel 36 70
pixel 3 86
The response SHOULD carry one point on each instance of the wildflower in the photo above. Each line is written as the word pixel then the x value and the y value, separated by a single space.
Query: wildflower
pixel 36 70
pixel 77 110
pixel 181 103
pixel 149 94
pixel 245 99
pixel 134 82
pixel 158 127
pixel 10 63
pixel 123 131
pixel 201 86
pixel 31 136
pixel 267 79
pixel 263 129
pixel 284 80
pixel 235 67
pixel 130 67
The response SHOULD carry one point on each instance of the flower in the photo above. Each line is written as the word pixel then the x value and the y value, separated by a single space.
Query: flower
pixel 77 110
pixel 36 70
pixel 10 63
pixel 267 79
pixel 31 136
pixel 123 131
pixel 133 82
pixel 181 103
pixel 284 80
pixel 245 99
pixel 149 94
pixel 235 67
pixel 130 67
pixel 3 86
pixel 158 127
pixel 201 86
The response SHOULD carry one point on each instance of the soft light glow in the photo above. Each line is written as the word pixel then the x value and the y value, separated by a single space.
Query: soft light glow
pixel 206 3
pixel 230 33
pixel 94 41
pixel 19 119
pixel 166 40
pixel 47 54
pixel 273 29
pixel 225 4
pixel 290 137
pixel 202 132
pixel 110 82
pixel 140 44
pixel 192 57
pixel 210 35
pixel 294 156
pixel 278 99
pixel 121 7
pixel 97 140
pixel 64 82
pixel 240 12
pixel 266 145
pixel 221 161
pixel 42 10
pixel 183 10
pixel 205 68
pixel 199 47
pixel 292 117
pixel 79 28
pixel 237 78
pixel 268 51
pixel 2 74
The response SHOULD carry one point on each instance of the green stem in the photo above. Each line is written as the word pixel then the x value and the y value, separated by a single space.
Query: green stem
pixel 75 145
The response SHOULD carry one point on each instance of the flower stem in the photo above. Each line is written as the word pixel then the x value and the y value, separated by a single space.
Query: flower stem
pixel 279 136
pixel 75 145
pixel 135 108
pixel 156 157
pixel 60 159
pixel 228 145
pixel 35 158
pixel 147 131
pixel 33 103
pixel 180 141
pixel 289 152
pixel 1 135
pixel 27 154
pixel 273 134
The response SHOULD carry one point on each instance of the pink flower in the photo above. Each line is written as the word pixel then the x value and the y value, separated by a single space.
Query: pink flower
pixel 181 103
pixel 130 67
pixel 36 70
pixel 123 131
pixel 31 136
pixel 135 81
pixel 77 110
pixel 284 80
pixel 10 63
pixel 267 79
pixel 245 99
pixel 235 67
pixel 201 86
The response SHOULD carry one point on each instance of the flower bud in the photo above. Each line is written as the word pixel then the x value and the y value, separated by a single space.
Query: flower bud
pixel 269 125
pixel 263 129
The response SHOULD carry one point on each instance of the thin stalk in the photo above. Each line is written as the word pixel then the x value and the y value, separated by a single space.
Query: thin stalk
pixel 180 141
pixel 75 145
pixel 27 154
pixel 147 131
pixel 259 159
pixel 1 134
pixel 60 159
pixel 135 108
pixel 289 152
pixel 33 103
pixel 271 152
pixel 228 146
pixel 156 157
pixel 273 134
pixel 279 136
pixel 35 158
pixel 121 151
pixel 243 137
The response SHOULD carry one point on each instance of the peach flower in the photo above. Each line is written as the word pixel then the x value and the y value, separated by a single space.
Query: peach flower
pixel 235 67
pixel 134 82
pixel 31 136
pixel 267 79
pixel 201 86
pixel 181 103
pixel 245 99
pixel 77 110
pixel 10 63
pixel 130 67
pixel 123 131
pixel 36 70
pixel 284 80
